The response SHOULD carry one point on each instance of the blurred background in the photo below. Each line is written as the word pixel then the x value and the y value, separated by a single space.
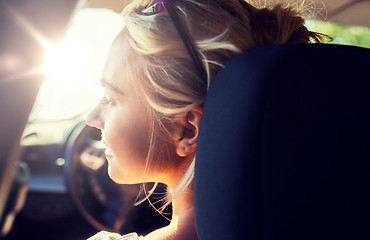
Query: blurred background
pixel 64 44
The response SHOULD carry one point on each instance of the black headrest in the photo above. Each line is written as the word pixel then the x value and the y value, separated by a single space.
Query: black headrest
pixel 284 146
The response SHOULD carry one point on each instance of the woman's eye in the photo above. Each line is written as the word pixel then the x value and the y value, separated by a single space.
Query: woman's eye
pixel 106 102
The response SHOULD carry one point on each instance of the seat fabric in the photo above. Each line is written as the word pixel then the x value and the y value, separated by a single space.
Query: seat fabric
pixel 284 146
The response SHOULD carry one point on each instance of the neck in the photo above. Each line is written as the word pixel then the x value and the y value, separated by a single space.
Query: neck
pixel 182 225
pixel 183 202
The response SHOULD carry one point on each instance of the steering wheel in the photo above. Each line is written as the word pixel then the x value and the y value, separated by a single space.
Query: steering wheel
pixel 105 204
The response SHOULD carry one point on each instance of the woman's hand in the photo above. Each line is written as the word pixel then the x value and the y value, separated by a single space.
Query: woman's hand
pixel 104 235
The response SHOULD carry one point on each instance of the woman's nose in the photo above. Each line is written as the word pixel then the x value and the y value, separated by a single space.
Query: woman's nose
pixel 94 118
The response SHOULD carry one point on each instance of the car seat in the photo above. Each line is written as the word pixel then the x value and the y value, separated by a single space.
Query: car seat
pixel 284 146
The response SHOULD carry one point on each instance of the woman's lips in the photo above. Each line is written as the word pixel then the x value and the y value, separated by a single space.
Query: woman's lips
pixel 108 153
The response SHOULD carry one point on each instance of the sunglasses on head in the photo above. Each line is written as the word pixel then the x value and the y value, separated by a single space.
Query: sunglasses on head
pixel 166 5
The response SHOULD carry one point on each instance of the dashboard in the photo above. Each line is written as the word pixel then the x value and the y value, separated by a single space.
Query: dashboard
pixel 70 194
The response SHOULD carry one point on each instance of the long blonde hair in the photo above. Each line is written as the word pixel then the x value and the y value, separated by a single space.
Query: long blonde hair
pixel 165 73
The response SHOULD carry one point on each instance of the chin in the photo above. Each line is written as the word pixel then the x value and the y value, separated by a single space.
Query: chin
pixel 120 178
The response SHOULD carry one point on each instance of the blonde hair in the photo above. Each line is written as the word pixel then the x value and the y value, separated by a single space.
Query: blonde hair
pixel 166 75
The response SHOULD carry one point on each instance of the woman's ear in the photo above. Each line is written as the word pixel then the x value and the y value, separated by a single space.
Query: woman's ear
pixel 190 121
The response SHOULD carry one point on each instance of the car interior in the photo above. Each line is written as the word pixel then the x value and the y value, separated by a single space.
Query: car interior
pixel 294 163
pixel 287 157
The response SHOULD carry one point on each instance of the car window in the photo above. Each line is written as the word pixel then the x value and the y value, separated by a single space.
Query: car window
pixel 74 66
pixel 341 34
pixel 70 90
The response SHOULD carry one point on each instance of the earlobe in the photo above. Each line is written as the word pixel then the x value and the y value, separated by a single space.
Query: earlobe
pixel 187 144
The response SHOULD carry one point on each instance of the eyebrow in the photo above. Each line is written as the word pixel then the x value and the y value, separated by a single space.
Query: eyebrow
pixel 111 86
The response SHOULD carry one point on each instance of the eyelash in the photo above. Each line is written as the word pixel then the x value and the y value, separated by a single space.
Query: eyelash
pixel 105 101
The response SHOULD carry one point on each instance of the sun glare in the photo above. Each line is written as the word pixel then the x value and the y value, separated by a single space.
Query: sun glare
pixel 65 62
pixel 73 67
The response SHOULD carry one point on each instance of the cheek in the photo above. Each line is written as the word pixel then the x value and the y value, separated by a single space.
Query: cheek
pixel 132 138
pixel 164 150
pixel 128 138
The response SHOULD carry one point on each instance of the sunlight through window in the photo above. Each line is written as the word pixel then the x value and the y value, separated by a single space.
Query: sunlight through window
pixel 73 67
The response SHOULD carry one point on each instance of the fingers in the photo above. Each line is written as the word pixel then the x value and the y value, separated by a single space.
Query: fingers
pixel 130 236
pixel 104 235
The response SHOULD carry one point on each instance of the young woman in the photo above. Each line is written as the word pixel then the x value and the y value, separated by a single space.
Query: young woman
pixel 156 79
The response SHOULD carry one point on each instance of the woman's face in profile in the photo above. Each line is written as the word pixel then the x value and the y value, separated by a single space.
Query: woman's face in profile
pixel 123 119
